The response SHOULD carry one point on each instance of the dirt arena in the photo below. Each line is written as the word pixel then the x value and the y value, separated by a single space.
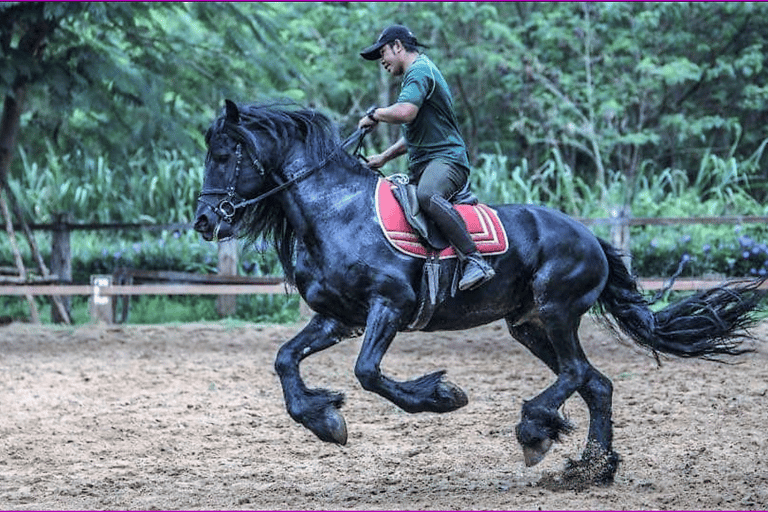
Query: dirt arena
pixel 192 417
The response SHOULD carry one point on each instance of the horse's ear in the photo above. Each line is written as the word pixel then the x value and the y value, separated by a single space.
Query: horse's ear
pixel 233 115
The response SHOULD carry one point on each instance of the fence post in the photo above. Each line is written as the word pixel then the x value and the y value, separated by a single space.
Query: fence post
pixel 620 233
pixel 61 261
pixel 226 305
pixel 99 305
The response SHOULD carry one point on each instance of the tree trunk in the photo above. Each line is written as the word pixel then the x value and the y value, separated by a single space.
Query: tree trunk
pixel 9 128
pixel 31 43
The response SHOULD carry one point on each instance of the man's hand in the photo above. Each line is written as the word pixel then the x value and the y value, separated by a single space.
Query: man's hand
pixel 369 121
pixel 376 161
pixel 395 150
pixel 366 123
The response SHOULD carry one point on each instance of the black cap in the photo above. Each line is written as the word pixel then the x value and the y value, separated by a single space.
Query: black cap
pixel 389 35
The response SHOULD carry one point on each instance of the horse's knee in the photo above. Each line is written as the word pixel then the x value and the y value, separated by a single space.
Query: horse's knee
pixel 574 375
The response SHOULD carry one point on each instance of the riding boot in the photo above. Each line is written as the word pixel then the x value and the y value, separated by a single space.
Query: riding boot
pixel 476 270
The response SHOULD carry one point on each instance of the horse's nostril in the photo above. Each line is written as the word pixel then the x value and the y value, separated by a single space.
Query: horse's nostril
pixel 201 224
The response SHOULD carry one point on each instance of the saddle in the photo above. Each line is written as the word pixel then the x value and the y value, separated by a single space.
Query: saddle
pixel 411 233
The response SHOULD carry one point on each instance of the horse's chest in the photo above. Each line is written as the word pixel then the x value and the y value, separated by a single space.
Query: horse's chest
pixel 335 284
pixel 345 288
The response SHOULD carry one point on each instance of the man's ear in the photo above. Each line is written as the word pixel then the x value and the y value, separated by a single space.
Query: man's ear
pixel 397 46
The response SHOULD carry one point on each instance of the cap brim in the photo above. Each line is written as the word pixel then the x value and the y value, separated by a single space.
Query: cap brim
pixel 373 52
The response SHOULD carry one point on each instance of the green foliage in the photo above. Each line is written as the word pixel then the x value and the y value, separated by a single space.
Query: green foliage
pixel 117 77
pixel 99 253
pixel 184 252
pixel 251 308
pixel 553 184
pixel 721 188
pixel 598 88
pixel 95 253
pixel 154 185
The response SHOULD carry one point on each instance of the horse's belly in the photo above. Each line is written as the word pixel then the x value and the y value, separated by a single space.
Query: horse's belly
pixel 453 323
pixel 461 313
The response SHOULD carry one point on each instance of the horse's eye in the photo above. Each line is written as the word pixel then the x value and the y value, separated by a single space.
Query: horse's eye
pixel 220 157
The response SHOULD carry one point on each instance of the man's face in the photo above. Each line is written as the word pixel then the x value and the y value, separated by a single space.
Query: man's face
pixel 390 58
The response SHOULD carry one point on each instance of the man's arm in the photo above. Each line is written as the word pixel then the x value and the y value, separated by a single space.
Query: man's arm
pixel 399 113
pixel 392 152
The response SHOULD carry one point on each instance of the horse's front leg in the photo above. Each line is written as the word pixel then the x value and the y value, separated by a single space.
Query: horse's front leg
pixel 316 409
pixel 430 393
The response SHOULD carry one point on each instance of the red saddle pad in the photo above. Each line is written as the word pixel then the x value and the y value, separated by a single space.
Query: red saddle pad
pixel 482 223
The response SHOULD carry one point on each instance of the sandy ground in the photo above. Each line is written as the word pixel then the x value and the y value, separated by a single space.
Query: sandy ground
pixel 192 417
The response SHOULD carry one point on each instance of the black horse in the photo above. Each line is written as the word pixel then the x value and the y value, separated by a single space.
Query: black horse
pixel 279 172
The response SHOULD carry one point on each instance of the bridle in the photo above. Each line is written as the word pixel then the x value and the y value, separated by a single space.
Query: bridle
pixel 227 207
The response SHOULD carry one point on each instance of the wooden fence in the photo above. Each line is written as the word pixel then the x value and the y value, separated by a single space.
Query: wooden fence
pixel 103 289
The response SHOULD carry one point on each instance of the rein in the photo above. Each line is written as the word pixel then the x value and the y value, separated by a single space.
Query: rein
pixel 227 207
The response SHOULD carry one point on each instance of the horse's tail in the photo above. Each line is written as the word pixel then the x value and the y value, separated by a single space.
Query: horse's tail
pixel 706 324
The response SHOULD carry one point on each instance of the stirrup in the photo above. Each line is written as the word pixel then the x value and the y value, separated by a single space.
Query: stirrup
pixel 480 272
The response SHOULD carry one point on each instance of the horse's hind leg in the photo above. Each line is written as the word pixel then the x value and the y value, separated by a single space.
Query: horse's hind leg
pixel 541 425
pixel 316 409
pixel 431 393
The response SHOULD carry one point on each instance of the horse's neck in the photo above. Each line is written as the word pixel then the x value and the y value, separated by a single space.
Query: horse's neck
pixel 317 205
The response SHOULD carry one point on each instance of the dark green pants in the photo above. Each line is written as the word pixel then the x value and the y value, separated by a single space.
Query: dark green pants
pixel 437 184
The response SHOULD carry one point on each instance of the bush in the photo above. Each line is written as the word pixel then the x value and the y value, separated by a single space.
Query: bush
pixel 728 251
pixel 149 186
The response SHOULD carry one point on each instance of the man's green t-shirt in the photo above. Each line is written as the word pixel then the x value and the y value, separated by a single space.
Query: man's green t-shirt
pixel 434 133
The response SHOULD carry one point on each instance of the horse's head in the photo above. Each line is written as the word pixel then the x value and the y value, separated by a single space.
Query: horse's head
pixel 234 174
pixel 256 154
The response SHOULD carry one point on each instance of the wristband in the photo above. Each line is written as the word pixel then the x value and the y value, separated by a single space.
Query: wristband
pixel 370 114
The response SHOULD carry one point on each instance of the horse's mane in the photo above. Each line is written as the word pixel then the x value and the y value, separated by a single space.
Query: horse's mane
pixel 283 124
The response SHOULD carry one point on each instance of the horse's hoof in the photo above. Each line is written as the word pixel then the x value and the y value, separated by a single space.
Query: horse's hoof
pixel 536 453
pixel 330 426
pixel 452 397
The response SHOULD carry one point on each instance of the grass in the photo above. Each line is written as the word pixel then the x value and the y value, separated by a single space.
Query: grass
pixel 159 309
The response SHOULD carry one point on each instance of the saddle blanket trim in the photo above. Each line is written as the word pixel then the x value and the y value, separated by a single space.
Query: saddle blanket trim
pixel 482 222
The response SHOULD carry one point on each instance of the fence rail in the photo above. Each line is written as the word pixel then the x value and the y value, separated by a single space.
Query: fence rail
pixel 589 221
pixel 145 289
pixel 673 221
pixel 680 284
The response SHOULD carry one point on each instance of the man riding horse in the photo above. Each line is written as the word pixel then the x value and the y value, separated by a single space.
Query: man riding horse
pixel 437 154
